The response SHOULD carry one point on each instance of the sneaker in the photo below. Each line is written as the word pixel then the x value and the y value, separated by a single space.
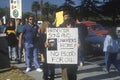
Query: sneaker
pixel 28 69
pixel 39 70
pixel 81 64
pixel 105 70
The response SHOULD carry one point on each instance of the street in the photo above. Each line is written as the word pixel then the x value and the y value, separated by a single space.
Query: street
pixel 92 70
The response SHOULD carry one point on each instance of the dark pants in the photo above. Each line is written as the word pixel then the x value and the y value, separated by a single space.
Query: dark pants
pixel 69 71
pixel 48 70
pixel 72 72
pixel 110 58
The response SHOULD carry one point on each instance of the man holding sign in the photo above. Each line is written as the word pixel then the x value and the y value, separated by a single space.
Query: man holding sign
pixel 66 52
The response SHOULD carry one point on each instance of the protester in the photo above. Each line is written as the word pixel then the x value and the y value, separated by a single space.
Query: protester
pixel 29 33
pixel 12 40
pixel 83 32
pixel 19 28
pixel 69 71
pixel 48 69
pixel 111 50
pixel 66 15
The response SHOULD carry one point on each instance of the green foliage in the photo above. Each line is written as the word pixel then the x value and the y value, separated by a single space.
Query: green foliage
pixel 35 6
pixel 48 11
pixel 89 9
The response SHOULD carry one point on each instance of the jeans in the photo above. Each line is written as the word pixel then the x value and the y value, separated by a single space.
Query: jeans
pixel 20 52
pixel 48 70
pixel 12 52
pixel 111 59
pixel 31 56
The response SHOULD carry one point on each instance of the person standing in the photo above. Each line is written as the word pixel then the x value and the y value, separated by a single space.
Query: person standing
pixel 69 71
pixel 2 28
pixel 19 28
pixel 83 32
pixel 66 15
pixel 48 69
pixel 12 40
pixel 29 33
pixel 111 49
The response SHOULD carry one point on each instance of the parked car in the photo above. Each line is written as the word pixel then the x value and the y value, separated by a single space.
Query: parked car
pixel 95 28
pixel 95 38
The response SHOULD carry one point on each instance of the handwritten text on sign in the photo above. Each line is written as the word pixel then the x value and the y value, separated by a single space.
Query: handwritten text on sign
pixel 65 49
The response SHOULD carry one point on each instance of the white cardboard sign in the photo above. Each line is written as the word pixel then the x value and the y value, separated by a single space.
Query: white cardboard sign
pixel 65 49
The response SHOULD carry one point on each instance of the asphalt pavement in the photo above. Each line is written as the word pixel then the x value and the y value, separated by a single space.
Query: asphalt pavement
pixel 92 70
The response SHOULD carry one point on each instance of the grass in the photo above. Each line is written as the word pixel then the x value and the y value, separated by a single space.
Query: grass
pixel 13 73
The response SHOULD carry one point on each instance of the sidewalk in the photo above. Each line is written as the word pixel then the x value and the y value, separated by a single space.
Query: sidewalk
pixel 92 70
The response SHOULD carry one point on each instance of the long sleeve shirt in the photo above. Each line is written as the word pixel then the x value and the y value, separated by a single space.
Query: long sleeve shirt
pixel 110 45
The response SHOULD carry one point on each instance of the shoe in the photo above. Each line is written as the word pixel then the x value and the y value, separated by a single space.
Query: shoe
pixel 105 70
pixel 39 70
pixel 28 69
pixel 81 64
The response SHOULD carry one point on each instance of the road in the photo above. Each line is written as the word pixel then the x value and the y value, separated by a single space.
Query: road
pixel 92 70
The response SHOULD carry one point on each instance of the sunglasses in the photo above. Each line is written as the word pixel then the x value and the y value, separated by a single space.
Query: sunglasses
pixel 31 19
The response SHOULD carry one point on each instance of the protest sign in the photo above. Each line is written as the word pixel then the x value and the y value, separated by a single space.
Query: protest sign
pixel 65 45
pixel 59 18
pixel 16 9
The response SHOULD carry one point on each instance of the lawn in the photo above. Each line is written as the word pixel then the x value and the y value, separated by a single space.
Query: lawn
pixel 13 73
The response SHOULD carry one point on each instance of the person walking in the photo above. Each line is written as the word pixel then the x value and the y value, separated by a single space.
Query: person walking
pixel 111 50
pixel 48 69
pixel 29 33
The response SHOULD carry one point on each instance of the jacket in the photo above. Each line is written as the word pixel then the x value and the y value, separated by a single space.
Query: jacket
pixel 110 45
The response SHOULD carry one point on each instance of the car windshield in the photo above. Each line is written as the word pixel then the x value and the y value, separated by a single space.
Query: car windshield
pixel 98 27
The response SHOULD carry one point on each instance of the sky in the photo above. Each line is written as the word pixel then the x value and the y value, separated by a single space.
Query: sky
pixel 26 4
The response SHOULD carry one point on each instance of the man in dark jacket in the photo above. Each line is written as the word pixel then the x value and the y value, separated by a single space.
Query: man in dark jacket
pixel 83 32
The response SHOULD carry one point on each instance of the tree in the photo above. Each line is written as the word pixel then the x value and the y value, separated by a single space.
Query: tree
pixel 48 10
pixel 67 7
pixel 69 2
pixel 35 8
pixel 2 13
pixel 111 9
pixel 89 8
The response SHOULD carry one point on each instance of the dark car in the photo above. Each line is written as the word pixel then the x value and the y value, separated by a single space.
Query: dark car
pixel 95 38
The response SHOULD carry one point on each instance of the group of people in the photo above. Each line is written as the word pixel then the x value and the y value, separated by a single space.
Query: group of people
pixel 12 37
pixel 33 39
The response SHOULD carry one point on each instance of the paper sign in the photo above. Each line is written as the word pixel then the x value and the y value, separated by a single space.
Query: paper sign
pixel 59 18
pixel 64 43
